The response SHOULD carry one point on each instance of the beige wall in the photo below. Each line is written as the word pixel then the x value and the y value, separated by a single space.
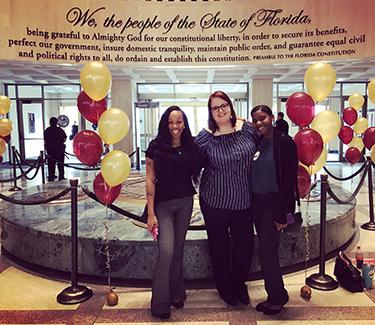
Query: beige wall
pixel 122 97
pixel 261 92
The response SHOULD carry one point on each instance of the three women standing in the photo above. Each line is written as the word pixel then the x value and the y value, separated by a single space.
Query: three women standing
pixel 226 150
pixel 170 161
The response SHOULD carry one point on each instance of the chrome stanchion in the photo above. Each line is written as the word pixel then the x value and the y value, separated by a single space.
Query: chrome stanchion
pixel 15 187
pixel 322 281
pixel 138 157
pixel 42 166
pixel 74 294
pixel 371 224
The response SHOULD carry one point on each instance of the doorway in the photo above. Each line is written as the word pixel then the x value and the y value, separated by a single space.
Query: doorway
pixel 31 127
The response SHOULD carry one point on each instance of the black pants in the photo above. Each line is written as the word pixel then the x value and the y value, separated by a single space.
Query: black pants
pixel 231 241
pixel 59 156
pixel 263 210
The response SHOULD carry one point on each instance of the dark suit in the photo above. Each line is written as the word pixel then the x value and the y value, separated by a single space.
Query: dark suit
pixel 282 126
pixel 54 138
pixel 271 207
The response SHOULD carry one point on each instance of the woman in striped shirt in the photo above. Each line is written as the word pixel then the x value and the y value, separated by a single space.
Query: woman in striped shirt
pixel 226 151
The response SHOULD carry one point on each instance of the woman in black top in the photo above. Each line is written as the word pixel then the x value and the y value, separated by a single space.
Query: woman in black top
pixel 273 181
pixel 169 167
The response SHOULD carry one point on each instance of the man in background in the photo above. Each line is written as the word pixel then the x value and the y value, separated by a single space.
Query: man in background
pixel 54 141
pixel 281 125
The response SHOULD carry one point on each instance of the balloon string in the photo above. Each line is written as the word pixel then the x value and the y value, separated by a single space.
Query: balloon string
pixel 106 249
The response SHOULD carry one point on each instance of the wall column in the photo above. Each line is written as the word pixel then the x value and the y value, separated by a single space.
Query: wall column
pixel 123 96
pixel 262 92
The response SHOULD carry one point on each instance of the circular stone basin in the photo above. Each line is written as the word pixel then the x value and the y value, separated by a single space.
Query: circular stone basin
pixel 40 234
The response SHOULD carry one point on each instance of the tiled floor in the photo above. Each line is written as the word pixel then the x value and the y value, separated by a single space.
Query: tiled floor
pixel 27 298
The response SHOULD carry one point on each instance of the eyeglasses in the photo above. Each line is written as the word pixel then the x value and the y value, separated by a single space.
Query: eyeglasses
pixel 222 107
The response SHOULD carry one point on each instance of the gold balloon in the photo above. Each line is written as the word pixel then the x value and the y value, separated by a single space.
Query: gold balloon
pixel 115 167
pixel 6 127
pixel 113 125
pixel 356 101
pixel 371 91
pixel 320 78
pixel 96 80
pixel 360 125
pixel 3 146
pixel 327 124
pixel 4 104
pixel 319 164
pixel 357 143
pixel 372 153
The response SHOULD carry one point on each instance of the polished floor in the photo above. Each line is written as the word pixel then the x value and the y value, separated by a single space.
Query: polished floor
pixel 30 298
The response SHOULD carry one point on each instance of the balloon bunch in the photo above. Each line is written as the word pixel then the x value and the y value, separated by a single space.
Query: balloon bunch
pixel 6 125
pixel 113 125
pixel 320 78
pixel 369 134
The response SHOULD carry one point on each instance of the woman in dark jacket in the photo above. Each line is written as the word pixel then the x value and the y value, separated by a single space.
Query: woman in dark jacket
pixel 273 180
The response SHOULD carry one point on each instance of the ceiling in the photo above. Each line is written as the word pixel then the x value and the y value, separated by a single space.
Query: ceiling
pixel 29 73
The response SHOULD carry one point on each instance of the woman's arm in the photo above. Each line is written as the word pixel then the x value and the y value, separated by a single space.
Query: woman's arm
pixel 150 193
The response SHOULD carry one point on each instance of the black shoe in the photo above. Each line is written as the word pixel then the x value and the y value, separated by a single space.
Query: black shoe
pixel 272 309
pixel 243 298
pixel 178 304
pixel 162 316
pixel 229 298
pixel 62 178
pixel 262 306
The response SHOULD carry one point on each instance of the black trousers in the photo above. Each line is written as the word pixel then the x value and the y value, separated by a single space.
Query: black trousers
pixel 263 210
pixel 231 242
pixel 59 156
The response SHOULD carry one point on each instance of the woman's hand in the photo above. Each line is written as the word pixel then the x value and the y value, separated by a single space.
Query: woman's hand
pixel 151 221
pixel 280 226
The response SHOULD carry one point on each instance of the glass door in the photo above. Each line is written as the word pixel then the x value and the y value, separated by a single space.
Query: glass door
pixel 31 129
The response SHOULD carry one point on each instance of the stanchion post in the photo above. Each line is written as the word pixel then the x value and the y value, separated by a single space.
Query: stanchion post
pixel 42 166
pixel 15 187
pixel 138 157
pixel 322 281
pixel 74 294
pixel 371 224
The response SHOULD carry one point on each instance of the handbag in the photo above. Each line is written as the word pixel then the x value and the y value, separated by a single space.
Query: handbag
pixel 347 275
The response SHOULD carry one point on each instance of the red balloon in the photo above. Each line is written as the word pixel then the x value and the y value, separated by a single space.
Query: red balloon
pixel 309 146
pixel 88 147
pixel 346 134
pixel 353 155
pixel 90 108
pixel 1 159
pixel 6 138
pixel 300 108
pixel 369 137
pixel 350 115
pixel 304 181
pixel 105 193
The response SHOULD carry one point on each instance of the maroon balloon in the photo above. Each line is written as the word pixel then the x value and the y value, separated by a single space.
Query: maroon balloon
pixel 350 115
pixel 89 108
pixel 1 159
pixel 369 137
pixel 300 108
pixel 353 155
pixel 88 147
pixel 346 134
pixel 6 138
pixel 304 181
pixel 105 193
pixel 309 146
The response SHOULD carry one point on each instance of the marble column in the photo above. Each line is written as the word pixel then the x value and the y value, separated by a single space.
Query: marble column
pixel 261 92
pixel 123 96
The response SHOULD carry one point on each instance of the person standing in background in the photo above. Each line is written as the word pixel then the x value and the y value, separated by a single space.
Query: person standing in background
pixel 170 159
pixel 273 183
pixel 226 151
pixel 74 130
pixel 281 125
pixel 54 142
